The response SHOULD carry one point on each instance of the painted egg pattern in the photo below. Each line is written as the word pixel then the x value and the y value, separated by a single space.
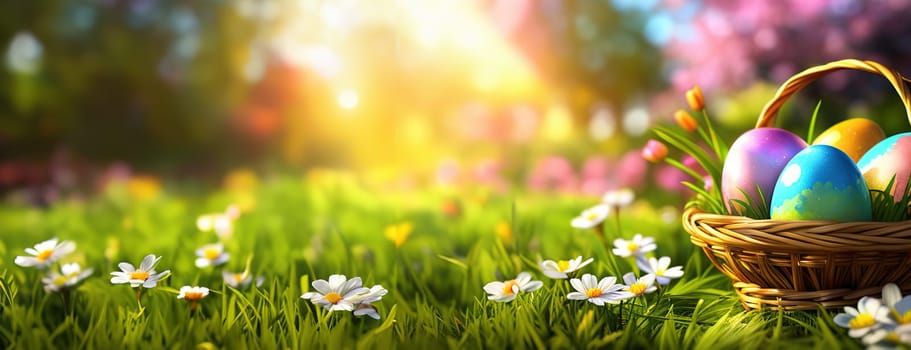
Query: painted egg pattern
pixel 889 158
pixel 756 158
pixel 854 136
pixel 821 183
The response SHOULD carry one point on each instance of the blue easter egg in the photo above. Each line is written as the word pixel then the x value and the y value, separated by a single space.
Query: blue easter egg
pixel 821 183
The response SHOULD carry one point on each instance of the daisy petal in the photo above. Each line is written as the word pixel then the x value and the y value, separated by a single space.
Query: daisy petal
pixel 494 287
pixel 336 282
pixel 532 286
pixel 576 296
pixel 321 286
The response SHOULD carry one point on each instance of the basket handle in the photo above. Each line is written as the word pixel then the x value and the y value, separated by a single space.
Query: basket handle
pixel 799 80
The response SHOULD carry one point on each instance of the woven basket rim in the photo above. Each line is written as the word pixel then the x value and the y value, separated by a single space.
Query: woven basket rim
pixel 809 237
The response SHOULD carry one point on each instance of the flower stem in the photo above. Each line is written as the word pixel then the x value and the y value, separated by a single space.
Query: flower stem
pixel 67 305
pixel 630 318
pixel 621 314
pixel 716 145
pixel 607 246
pixel 617 220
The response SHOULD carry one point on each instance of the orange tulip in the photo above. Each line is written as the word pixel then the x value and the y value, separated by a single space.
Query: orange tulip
pixel 685 120
pixel 695 99
pixel 654 151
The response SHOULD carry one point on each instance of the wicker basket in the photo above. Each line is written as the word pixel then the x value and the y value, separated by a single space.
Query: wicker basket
pixel 807 264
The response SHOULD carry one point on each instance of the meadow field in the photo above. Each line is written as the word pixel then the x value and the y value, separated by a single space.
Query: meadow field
pixel 433 251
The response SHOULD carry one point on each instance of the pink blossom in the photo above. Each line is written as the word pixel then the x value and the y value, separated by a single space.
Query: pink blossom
pixel 654 151
pixel 553 173
pixel 631 170
pixel 448 172
pixel 596 176
pixel 669 178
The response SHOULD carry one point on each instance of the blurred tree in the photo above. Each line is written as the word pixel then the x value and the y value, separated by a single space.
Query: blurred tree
pixel 140 80
pixel 729 45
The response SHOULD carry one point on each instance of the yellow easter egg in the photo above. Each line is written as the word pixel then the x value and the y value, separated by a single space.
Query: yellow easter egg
pixel 854 136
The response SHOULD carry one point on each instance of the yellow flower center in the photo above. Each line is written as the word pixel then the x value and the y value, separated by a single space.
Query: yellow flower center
pixel 238 277
pixel 632 246
pixel 637 288
pixel 660 272
pixel 507 287
pixel 594 292
pixel 902 319
pixel 562 265
pixel 60 280
pixel 45 254
pixel 139 275
pixel 192 296
pixel 893 337
pixel 862 321
pixel 591 216
pixel 332 297
pixel 211 253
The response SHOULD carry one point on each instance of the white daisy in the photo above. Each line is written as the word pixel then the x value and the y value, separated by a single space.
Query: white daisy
pixel 339 293
pixel 211 255
pixel 637 246
pixel 636 287
pixel 193 295
pixel 366 310
pixel 240 280
pixel 364 302
pixel 889 337
pixel 189 293
pixel 869 315
pixel 506 291
pixel 599 293
pixel 69 276
pixel 561 269
pixel 591 217
pixel 904 333
pixel 45 253
pixel 145 276
pixel 619 198
pixel 221 223
pixel 661 269
pixel 899 307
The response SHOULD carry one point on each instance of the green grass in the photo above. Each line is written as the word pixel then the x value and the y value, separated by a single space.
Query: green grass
pixel 300 231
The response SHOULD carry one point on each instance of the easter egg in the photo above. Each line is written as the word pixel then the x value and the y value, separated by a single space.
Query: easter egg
pixel 756 159
pixel 890 158
pixel 821 183
pixel 854 136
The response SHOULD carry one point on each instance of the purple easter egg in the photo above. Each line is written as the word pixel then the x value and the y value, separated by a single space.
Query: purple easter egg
pixel 756 159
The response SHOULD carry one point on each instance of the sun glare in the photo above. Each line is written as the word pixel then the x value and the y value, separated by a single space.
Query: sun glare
pixel 348 99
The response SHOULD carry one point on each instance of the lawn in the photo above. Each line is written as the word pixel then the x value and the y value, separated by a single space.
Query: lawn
pixel 294 230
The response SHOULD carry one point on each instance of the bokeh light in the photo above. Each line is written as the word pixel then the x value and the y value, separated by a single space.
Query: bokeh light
pixel 399 86
pixel 348 99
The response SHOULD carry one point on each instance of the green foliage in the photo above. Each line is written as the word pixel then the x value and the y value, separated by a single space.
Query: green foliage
pixel 756 209
pixel 812 130
pixel 709 151
pixel 886 208
pixel 303 231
